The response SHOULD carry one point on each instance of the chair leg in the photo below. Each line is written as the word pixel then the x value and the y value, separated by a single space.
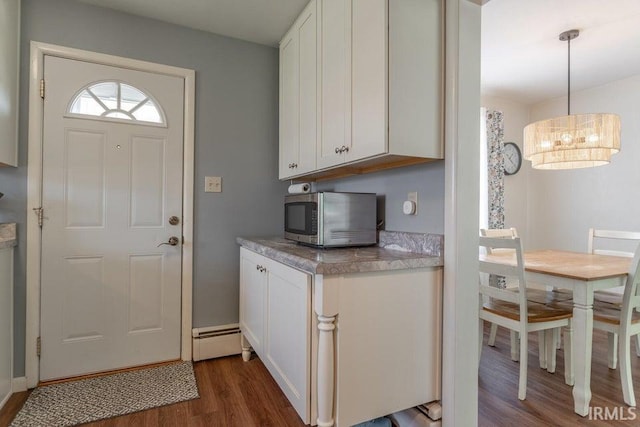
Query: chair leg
pixel 551 338
pixel 559 340
pixel 542 350
pixel 515 339
pixel 569 377
pixel 480 339
pixel 492 335
pixel 613 350
pixel 522 382
pixel 625 371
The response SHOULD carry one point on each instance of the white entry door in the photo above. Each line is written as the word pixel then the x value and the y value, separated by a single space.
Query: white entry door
pixel 112 178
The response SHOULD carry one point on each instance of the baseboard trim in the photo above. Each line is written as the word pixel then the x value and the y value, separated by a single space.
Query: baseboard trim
pixel 5 400
pixel 19 384
pixel 217 341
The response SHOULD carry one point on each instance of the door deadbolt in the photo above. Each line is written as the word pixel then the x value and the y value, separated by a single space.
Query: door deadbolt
pixel 173 241
pixel 174 220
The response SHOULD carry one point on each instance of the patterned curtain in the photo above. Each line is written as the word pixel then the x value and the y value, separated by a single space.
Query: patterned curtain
pixel 495 174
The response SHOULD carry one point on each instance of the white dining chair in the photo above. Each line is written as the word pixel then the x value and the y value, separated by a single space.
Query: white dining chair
pixel 623 321
pixel 533 295
pixel 504 233
pixel 512 310
pixel 600 242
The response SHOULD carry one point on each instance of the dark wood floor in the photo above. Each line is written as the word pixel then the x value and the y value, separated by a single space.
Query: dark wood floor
pixel 234 393
pixel 549 400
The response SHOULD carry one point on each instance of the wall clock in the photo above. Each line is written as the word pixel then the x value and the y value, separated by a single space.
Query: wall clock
pixel 512 158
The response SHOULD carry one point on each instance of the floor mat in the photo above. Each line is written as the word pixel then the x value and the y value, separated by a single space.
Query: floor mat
pixel 92 399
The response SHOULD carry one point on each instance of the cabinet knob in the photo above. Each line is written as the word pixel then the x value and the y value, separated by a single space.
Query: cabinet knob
pixel 346 149
pixel 338 150
pixel 295 165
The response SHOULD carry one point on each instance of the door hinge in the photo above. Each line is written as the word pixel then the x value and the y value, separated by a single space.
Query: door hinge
pixel 40 213
pixel 42 88
pixel 38 346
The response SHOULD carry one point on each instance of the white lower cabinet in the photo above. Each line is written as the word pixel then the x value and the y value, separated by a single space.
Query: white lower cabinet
pixel 288 334
pixel 344 348
pixel 275 318
pixel 6 323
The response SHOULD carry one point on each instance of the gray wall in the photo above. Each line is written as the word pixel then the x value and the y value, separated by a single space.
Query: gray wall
pixel 236 138
pixel 392 187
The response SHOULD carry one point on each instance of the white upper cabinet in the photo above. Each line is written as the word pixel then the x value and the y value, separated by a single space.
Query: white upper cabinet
pixel 354 80
pixel 335 68
pixel 9 60
pixel 380 86
pixel 298 95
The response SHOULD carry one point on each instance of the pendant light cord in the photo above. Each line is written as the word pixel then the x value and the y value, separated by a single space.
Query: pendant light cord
pixel 569 77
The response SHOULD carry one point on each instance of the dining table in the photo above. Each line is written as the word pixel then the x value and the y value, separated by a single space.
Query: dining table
pixel 583 273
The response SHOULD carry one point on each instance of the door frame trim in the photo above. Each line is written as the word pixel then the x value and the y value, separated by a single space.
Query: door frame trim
pixel 34 189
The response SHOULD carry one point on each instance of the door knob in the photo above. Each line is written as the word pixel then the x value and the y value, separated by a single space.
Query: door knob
pixel 173 241
pixel 174 220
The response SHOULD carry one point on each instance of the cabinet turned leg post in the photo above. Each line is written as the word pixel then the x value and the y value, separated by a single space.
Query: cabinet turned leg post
pixel 326 327
pixel 246 348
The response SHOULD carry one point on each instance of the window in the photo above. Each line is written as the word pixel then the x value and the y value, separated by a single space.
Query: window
pixel 117 101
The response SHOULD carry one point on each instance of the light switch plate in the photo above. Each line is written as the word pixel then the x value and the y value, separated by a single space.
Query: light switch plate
pixel 213 184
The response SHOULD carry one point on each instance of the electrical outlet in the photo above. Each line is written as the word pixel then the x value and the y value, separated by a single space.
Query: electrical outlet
pixel 413 197
pixel 213 184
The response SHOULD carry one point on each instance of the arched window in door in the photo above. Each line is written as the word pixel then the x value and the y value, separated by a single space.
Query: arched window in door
pixel 116 101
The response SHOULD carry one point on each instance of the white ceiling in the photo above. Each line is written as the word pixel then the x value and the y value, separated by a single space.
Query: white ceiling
pixel 522 58
pixel 259 21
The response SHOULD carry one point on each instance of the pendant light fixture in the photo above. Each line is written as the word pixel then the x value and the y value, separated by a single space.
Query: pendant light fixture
pixel 575 140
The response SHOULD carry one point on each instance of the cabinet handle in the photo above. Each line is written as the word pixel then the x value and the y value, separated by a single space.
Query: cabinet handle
pixel 258 267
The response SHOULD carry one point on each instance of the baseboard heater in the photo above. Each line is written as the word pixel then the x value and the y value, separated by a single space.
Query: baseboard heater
pixel 216 341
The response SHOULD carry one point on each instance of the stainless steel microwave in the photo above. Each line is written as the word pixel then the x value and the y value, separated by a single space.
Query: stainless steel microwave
pixel 328 219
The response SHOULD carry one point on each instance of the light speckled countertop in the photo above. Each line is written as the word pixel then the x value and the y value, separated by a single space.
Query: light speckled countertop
pixel 8 235
pixel 345 260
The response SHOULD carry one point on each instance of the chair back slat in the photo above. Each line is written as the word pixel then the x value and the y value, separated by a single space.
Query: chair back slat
pixel 611 235
pixel 498 232
pixel 500 294
pixel 498 269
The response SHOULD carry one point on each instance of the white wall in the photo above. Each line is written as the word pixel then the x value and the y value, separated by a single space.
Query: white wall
pixel 516 117
pixel 562 205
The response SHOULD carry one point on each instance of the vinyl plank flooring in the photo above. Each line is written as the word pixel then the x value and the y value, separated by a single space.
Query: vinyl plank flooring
pixel 549 400
pixel 243 394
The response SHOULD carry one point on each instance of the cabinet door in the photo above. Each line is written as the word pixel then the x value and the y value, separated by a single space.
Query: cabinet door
pixel 308 89
pixel 253 289
pixel 335 72
pixel 6 315
pixel 368 79
pixel 298 95
pixel 289 141
pixel 288 326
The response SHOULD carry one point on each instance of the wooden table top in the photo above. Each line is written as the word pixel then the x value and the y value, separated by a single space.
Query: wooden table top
pixel 573 265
